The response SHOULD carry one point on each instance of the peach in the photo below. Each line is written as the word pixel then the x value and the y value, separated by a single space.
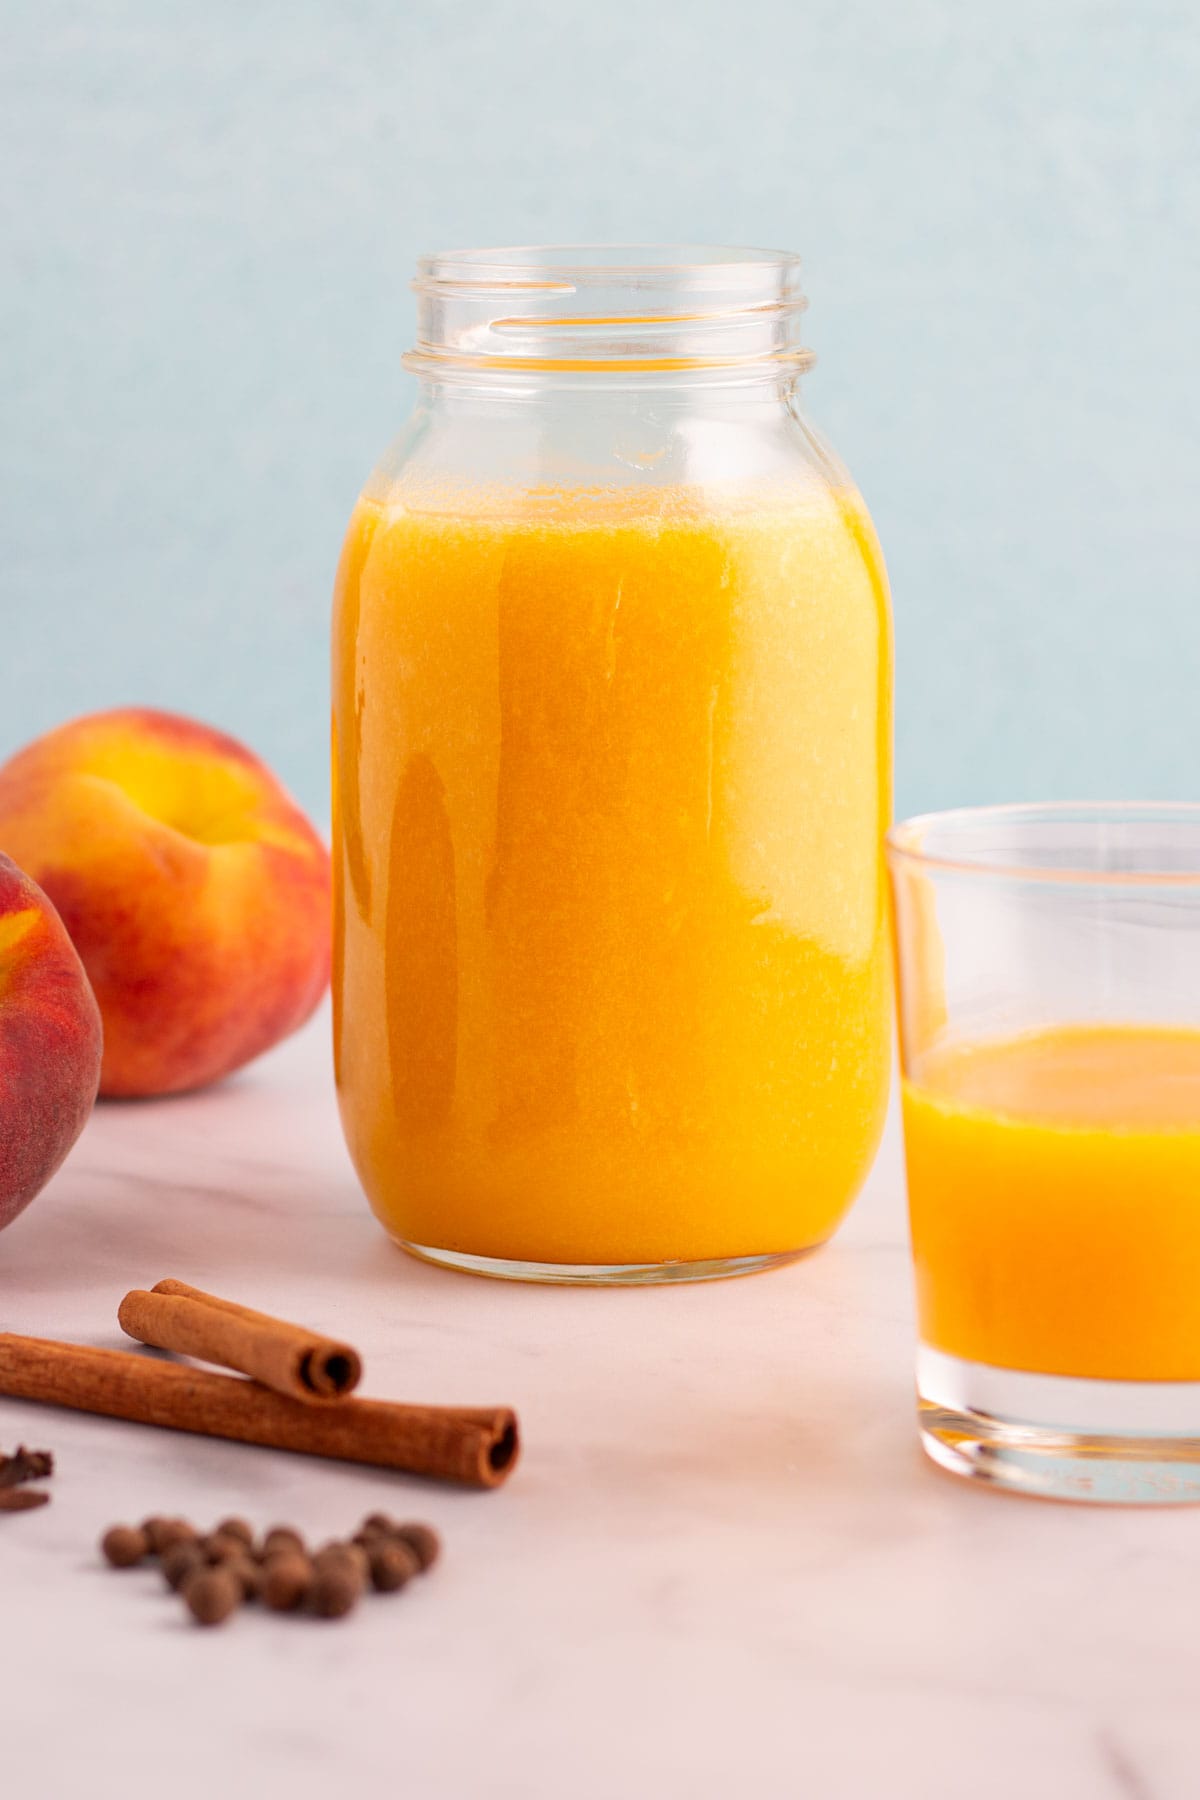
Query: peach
pixel 49 1042
pixel 194 889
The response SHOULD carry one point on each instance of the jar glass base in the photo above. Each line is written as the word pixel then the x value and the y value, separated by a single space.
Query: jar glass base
pixel 645 1274
pixel 1061 1437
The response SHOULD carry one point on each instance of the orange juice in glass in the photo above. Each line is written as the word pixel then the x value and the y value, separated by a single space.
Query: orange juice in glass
pixel 612 753
pixel 1049 973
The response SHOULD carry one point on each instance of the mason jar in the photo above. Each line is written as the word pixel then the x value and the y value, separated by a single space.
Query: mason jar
pixel 612 770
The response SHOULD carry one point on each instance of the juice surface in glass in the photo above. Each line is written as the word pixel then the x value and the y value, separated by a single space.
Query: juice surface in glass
pixel 1054 1191
pixel 611 775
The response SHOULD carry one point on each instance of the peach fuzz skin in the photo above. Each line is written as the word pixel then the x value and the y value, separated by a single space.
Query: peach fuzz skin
pixel 49 1042
pixel 195 891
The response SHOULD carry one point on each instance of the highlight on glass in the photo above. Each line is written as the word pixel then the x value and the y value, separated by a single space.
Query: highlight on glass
pixel 1048 963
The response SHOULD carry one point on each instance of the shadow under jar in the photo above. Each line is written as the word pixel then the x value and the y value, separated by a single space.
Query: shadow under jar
pixel 612 766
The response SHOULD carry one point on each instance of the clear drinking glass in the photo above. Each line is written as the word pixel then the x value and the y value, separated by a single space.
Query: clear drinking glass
pixel 1049 977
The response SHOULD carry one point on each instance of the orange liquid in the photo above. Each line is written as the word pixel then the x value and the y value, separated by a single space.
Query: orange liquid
pixel 611 775
pixel 1054 1188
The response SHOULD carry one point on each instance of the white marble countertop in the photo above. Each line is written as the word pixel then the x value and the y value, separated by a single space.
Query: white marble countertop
pixel 722 1568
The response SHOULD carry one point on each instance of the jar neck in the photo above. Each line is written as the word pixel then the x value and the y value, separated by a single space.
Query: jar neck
pixel 674 319
pixel 487 392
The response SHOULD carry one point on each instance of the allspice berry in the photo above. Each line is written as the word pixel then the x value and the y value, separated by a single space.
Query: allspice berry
pixel 340 1550
pixel 124 1546
pixel 393 1563
pixel 237 1528
pixel 282 1537
pixel 347 1559
pixel 216 1574
pixel 169 1532
pixel 220 1547
pixel 334 1592
pixel 247 1572
pixel 151 1528
pixel 180 1560
pixel 212 1594
pixel 423 1541
pixel 286 1577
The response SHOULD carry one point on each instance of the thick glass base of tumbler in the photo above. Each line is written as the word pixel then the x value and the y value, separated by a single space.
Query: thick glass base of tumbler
pixel 649 1274
pixel 1060 1437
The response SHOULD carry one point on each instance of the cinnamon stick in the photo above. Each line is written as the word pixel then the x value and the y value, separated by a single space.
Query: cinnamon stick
pixel 474 1445
pixel 286 1357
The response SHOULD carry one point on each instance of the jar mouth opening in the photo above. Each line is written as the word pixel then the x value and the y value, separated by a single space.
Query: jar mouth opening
pixel 565 266
pixel 608 308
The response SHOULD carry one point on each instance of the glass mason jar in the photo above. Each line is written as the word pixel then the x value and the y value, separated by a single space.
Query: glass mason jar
pixel 612 769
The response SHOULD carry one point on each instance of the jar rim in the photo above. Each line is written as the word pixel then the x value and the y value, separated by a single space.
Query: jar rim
pixel 516 264
pixel 609 309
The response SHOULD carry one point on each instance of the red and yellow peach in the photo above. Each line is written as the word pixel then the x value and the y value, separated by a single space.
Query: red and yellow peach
pixel 194 889
pixel 49 1042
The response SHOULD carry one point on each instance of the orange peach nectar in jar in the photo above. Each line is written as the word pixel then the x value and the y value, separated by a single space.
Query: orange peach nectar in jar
pixel 612 753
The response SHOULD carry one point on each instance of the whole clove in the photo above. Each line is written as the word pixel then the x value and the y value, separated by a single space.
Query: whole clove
pixel 21 1467
pixel 25 1465
pixel 22 1499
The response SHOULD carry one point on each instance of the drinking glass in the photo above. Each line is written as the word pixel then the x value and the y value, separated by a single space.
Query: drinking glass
pixel 1049 995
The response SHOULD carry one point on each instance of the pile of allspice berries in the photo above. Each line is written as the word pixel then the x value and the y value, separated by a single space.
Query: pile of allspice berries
pixel 218 1572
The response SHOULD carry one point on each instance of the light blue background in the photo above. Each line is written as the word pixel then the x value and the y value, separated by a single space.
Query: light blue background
pixel 211 213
